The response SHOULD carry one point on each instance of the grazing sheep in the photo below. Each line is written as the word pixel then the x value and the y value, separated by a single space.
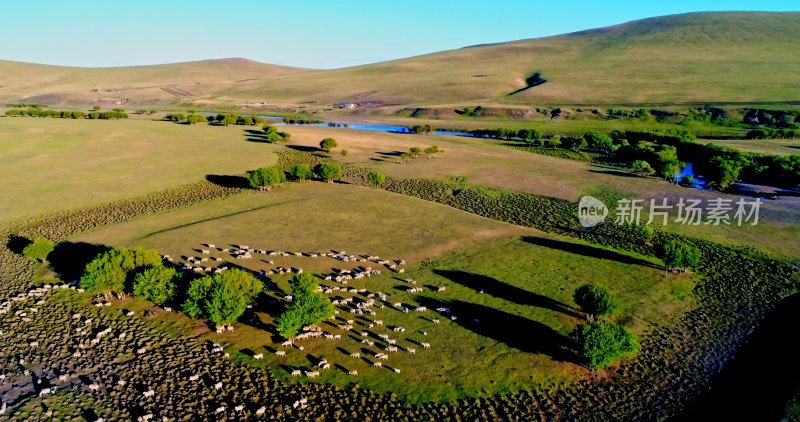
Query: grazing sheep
pixel 280 354
pixel 261 410
pixel 353 373
pixel 129 313
pixel 355 355
pixel 194 377
pixel 396 370
pixel 326 366
pixel 258 356
pixel 296 373
pixel 391 349
pixel 149 393
pixel 398 305
pixel 312 374
pixel 436 321
pixel 378 322
pixel 220 409
pixel 426 345
pixel 377 364
pixel 239 408
pixel 218 385
pixel 412 351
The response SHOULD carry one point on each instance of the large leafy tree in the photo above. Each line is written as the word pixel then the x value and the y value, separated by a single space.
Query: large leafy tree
pixel 110 271
pixel 328 171
pixel 266 177
pixel 39 249
pixel 328 144
pixel 221 298
pixel 601 343
pixel 301 171
pixel 308 307
pixel 677 255
pixel 595 299
pixel 156 284
pixel 375 178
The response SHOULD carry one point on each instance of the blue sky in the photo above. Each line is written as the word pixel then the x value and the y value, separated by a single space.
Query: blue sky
pixel 318 34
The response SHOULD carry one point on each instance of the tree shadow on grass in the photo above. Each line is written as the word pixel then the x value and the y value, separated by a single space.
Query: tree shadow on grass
pixel 513 330
pixel 68 260
pixel 228 181
pixel 505 291
pixel 587 250
pixel 614 173
pixel 17 243
pixel 303 148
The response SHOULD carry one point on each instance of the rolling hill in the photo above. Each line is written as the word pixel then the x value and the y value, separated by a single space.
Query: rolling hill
pixel 715 57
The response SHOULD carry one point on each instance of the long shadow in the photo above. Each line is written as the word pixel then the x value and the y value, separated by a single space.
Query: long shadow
pixel 614 173
pixel 228 181
pixel 392 154
pixel 505 291
pixel 69 259
pixel 587 250
pixel 303 148
pixel 515 331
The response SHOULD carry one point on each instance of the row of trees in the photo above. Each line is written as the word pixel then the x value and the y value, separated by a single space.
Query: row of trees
pixel 422 129
pixel 274 135
pixel 301 120
pixel 267 177
pixel 415 152
pixel 36 112
pixel 219 298
pixel 773 133
pixel 307 307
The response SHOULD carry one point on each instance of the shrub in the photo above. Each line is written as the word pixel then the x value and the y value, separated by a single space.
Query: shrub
pixel 554 141
pixel 328 144
pixel 328 171
pixel 273 135
pixel 597 140
pixel 39 249
pixel 194 119
pixel 108 273
pixel 600 343
pixel 266 177
pixel 642 168
pixel 156 284
pixel 433 149
pixel 344 153
pixel 221 298
pixel 595 299
pixel 301 171
pixel 414 151
pixel 375 178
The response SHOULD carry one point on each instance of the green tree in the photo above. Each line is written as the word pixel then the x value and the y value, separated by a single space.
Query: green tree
pixel 39 249
pixel 598 140
pixel 678 255
pixel 572 142
pixel 193 119
pixel 300 172
pixel 96 108
pixel 600 343
pixel 266 177
pixel 308 307
pixel 156 284
pixel 433 149
pixel 221 298
pixel 642 168
pixel 328 144
pixel 404 157
pixel 328 171
pixel 554 141
pixel 344 153
pixel 375 178
pixel 722 172
pixel 109 272
pixel 595 299
pixel 414 151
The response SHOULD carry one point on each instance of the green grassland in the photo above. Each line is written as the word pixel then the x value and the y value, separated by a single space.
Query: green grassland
pixel 53 164
pixel 528 279
pixel 722 57
pixel 762 146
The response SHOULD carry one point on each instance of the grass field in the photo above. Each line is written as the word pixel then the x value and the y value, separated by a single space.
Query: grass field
pixel 527 279
pixel 762 146
pixel 53 164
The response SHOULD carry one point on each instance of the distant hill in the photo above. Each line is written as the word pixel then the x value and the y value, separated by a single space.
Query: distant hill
pixel 715 57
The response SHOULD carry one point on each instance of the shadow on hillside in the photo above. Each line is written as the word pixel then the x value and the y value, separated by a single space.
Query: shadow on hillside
pixel 228 181
pixel 69 259
pixel 587 250
pixel 614 173
pixel 515 331
pixel 493 287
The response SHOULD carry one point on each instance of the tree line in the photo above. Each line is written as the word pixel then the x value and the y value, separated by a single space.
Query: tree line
pixel 219 119
pixel 37 112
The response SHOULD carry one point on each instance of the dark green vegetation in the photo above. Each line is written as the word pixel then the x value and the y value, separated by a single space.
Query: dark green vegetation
pixel 595 299
pixel 375 178
pixel 273 135
pixel 221 298
pixel 677 255
pixel 266 177
pixel 328 171
pixel 157 284
pixel 601 343
pixel 307 307
pixel 328 144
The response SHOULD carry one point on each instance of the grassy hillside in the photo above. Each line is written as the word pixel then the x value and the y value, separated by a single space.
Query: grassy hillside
pixel 701 57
